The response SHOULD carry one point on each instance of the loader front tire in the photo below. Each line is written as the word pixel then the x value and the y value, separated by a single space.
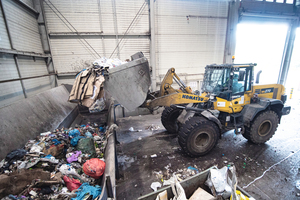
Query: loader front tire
pixel 262 128
pixel 169 119
pixel 198 136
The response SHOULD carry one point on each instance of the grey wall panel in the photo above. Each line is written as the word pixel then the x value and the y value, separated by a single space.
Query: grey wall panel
pixel 70 55
pixel 69 81
pixel 8 68
pixel 129 47
pixel 126 12
pixel 4 41
pixel 29 67
pixel 189 43
pixel 28 2
pixel 10 91
pixel 23 28
pixel 82 14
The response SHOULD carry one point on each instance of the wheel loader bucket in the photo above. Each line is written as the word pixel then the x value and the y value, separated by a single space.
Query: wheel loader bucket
pixel 129 83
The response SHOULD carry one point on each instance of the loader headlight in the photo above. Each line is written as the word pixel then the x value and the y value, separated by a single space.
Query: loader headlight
pixel 211 97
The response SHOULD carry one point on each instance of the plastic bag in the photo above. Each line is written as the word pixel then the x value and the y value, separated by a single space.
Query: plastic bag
pixel 15 155
pixel 88 134
pixel 178 190
pixel 220 184
pixel 98 106
pixel 85 188
pixel 50 158
pixel 74 133
pixel 86 145
pixel 72 183
pixel 94 168
pixel 36 148
pixel 74 156
pixel 56 142
pixel 75 140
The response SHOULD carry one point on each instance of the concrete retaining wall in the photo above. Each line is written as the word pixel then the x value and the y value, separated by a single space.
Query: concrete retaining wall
pixel 26 119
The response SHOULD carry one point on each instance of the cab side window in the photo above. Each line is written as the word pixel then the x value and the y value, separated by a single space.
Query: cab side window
pixel 238 82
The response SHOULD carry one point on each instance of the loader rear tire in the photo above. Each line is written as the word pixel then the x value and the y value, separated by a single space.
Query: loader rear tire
pixel 198 136
pixel 169 119
pixel 262 128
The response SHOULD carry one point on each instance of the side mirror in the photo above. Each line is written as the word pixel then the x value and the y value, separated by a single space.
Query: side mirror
pixel 257 76
pixel 241 76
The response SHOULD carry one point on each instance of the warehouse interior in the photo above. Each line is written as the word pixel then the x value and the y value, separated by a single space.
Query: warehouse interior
pixel 45 44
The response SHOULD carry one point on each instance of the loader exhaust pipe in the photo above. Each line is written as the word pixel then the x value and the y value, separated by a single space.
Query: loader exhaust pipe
pixel 257 76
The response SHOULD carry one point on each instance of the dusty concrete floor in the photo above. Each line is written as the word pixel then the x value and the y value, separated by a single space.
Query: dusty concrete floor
pixel 277 160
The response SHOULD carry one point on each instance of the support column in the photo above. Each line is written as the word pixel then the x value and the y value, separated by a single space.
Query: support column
pixel 38 5
pixel 287 53
pixel 232 22
pixel 152 45
pixel 101 28
pixel 18 69
pixel 116 27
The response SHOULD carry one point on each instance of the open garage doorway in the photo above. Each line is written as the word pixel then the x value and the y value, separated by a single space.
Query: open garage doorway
pixel 261 43
pixel 293 79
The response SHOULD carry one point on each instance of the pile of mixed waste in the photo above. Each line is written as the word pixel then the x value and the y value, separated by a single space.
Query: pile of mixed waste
pixel 61 164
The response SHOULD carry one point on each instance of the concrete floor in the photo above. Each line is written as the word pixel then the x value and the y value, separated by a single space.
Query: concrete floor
pixel 277 160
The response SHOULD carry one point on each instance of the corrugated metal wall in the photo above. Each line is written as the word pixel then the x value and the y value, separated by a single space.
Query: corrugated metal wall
pixel 10 91
pixel 186 43
pixel 23 28
pixel 99 23
pixel 28 2
pixel 29 67
pixel 4 41
pixel 25 36
pixel 189 43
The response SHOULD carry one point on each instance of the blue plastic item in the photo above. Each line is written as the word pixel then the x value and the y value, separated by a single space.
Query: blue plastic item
pixel 192 168
pixel 101 129
pixel 86 188
pixel 56 142
pixel 88 134
pixel 80 72
pixel 74 133
pixel 75 140
pixel 82 125
pixel 49 156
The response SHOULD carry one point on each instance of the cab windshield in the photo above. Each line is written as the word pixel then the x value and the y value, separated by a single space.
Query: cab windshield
pixel 215 80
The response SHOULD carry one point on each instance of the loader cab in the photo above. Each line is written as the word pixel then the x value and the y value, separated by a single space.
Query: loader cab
pixel 228 81
pixel 242 81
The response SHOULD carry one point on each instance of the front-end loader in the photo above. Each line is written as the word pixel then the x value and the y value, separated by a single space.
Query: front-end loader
pixel 228 100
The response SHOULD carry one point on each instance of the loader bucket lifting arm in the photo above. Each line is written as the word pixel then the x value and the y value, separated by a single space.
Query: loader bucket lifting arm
pixel 166 85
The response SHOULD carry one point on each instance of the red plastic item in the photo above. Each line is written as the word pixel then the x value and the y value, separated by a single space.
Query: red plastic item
pixel 72 183
pixel 94 168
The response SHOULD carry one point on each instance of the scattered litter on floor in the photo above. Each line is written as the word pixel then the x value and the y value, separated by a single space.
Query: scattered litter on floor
pixel 152 127
pixel 125 161
pixel 155 185
pixel 56 165
pixel 298 184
